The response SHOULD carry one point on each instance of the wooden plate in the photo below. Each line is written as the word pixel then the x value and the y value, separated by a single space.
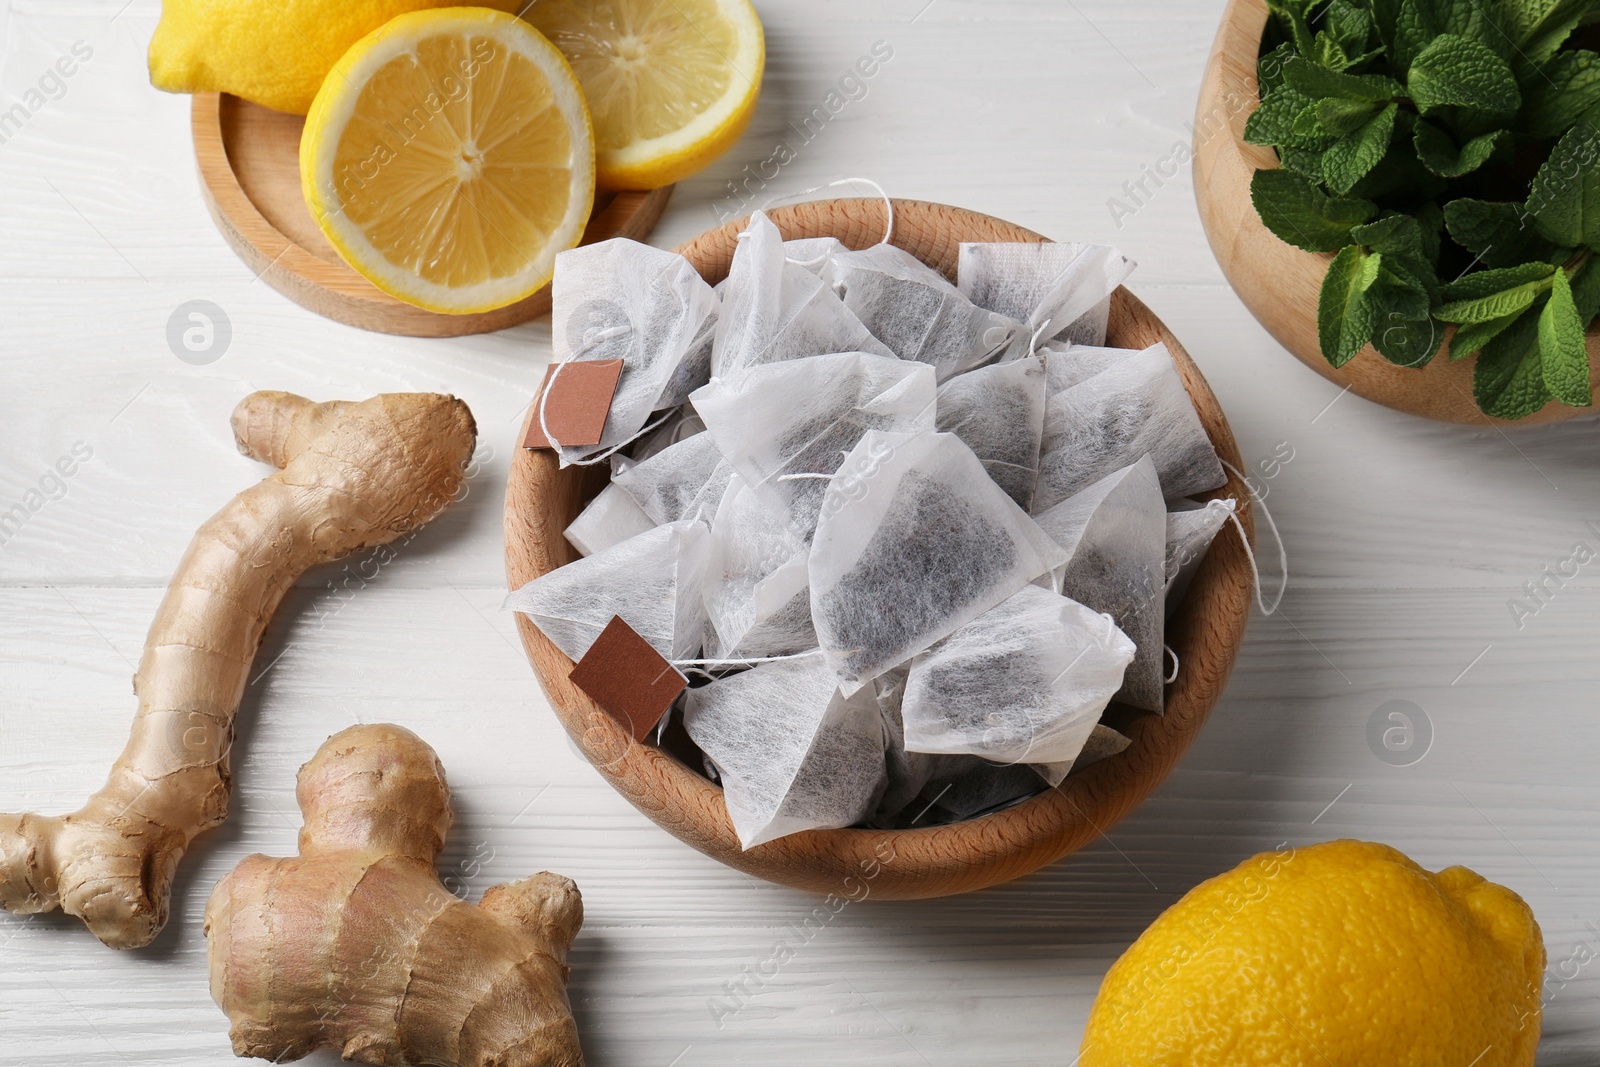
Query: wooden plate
pixel 1279 283
pixel 249 158
pixel 935 861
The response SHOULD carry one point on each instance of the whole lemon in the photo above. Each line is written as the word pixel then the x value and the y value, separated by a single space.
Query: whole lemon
pixel 1345 954
pixel 274 52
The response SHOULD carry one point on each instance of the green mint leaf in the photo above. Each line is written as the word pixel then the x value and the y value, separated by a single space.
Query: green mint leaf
pixel 1354 155
pixel 1385 16
pixel 1419 23
pixel 1498 234
pixel 1302 161
pixel 1566 193
pixel 1430 218
pixel 1508 381
pixel 1339 117
pixel 1540 27
pixel 1393 235
pixel 1440 154
pixel 1273 122
pixel 1303 215
pixel 1456 71
pixel 1308 132
pixel 1319 83
pixel 1349 25
pixel 1563 94
pixel 1269 71
pixel 1329 53
pixel 1346 314
pixel 1295 17
pixel 1563 350
pixel 1494 294
pixel 1471 337
pixel 1586 289
pixel 1403 339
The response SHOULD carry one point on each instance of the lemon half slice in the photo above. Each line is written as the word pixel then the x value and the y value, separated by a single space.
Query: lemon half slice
pixel 449 157
pixel 671 83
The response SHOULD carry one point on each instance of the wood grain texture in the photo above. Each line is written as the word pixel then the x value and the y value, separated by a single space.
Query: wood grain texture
pixel 1205 632
pixel 1280 283
pixel 248 157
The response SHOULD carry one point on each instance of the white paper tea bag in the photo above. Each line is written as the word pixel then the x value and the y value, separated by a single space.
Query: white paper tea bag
pixel 610 519
pixel 999 412
pixel 914 541
pixel 1025 682
pixel 812 253
pixel 1136 407
pixel 652 581
pixel 775 310
pixel 1191 527
pixel 620 299
pixel 1065 289
pixel 912 308
pixel 793 754
pixel 683 425
pixel 1068 364
pixel 757 587
pixel 1115 533
pixel 682 481
pixel 908 772
pixel 785 427
pixel 1103 743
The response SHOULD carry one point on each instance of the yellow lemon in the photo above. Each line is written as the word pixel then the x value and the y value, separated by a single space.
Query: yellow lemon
pixel 449 157
pixel 274 52
pixel 671 83
pixel 1345 954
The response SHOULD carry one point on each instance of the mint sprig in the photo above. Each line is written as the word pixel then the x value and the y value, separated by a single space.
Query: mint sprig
pixel 1448 153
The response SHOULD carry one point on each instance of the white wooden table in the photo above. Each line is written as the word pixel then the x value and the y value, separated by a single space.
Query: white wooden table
pixel 1407 541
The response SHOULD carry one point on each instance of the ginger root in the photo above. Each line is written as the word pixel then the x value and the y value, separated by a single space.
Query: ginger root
pixel 354 475
pixel 354 945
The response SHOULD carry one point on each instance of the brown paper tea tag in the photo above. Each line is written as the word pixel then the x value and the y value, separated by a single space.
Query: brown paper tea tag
pixel 576 410
pixel 628 678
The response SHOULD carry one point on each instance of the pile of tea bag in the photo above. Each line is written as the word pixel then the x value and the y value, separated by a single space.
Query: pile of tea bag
pixel 908 540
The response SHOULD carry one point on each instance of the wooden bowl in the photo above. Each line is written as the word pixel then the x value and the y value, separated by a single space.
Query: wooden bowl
pixel 249 159
pixel 1279 283
pixel 934 861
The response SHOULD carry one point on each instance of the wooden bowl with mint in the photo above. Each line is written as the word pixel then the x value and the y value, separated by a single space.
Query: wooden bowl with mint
pixel 1406 194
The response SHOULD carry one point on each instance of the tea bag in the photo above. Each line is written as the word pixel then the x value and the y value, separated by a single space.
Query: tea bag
pixel 610 519
pixel 793 754
pixel 620 299
pixel 757 586
pixel 972 788
pixel 652 581
pixel 1136 407
pixel 1065 289
pixel 812 253
pixel 1103 743
pixel 683 425
pixel 1115 534
pixel 683 481
pixel 786 426
pixel 1069 364
pixel 1191 527
pixel 999 412
pixel 908 772
pixel 775 310
pixel 914 541
pixel 1025 682
pixel 912 308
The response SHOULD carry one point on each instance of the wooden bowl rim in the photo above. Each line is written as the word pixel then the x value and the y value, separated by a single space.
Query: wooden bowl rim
pixel 929 861
pixel 338 292
pixel 1239 34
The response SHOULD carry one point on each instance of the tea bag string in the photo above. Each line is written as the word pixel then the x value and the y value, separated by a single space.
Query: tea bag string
pixel 699 666
pixel 600 337
pixel 1283 552
pixel 888 204
pixel 1173 677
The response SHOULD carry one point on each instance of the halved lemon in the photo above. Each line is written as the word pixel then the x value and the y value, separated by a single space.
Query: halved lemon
pixel 671 83
pixel 448 157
